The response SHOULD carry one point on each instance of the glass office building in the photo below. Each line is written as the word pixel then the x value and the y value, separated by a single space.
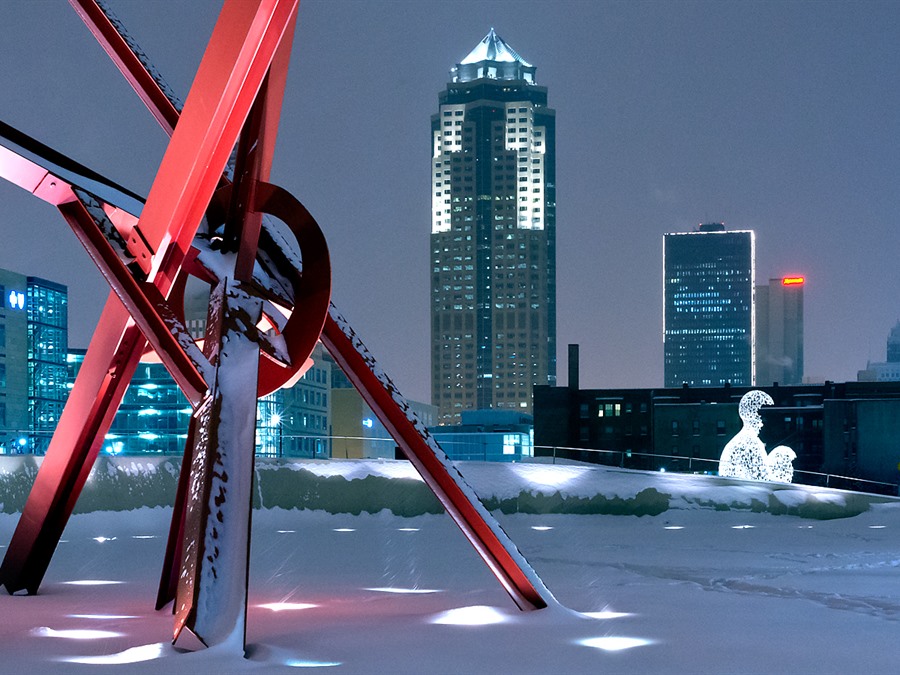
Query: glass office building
pixel 709 321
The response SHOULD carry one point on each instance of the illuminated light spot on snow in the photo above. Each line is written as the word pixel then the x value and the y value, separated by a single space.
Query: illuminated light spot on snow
pixel 286 531
pixel 805 527
pixel 407 529
pixel 742 527
pixel 674 527
pixel 549 476
pixel 345 529
pixel 103 617
pixel 287 606
pixel 93 582
pixel 76 633
pixel 877 527
pixel 476 615
pixel 541 528
pixel 614 644
pixel 390 589
pixel 144 536
pixel 133 655
pixel 101 540
pixel 300 663
pixel 606 614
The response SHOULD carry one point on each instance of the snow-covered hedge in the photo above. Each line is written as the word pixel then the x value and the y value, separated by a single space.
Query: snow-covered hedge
pixel 352 486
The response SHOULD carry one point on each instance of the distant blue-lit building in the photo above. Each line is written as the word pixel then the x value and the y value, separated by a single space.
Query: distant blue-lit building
pixel 488 435
pixel 154 415
pixel 709 319
pixel 33 345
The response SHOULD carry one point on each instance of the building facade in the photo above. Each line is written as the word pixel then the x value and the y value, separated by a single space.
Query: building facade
pixel 779 331
pixel 33 345
pixel 493 235
pixel 709 322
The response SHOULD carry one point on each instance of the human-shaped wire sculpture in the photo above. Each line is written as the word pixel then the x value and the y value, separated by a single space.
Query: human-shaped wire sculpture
pixel 745 455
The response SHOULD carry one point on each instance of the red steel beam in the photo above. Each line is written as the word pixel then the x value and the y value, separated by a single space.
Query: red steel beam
pixel 118 49
pixel 461 503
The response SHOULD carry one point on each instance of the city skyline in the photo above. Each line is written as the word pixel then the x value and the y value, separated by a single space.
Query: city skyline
pixel 774 117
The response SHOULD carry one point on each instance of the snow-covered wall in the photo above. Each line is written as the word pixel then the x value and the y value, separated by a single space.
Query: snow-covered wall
pixel 370 486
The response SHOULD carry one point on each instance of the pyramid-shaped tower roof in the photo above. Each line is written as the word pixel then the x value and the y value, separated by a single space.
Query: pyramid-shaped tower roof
pixel 493 59
pixel 494 48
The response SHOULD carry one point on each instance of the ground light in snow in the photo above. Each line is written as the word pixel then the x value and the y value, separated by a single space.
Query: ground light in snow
pixel 300 663
pixel 407 529
pixel 344 529
pixel 287 606
pixel 101 540
pixel 144 536
pixel 541 528
pixel 476 615
pixel 877 527
pixel 133 655
pixel 742 527
pixel 606 614
pixel 76 633
pixel 286 531
pixel 674 527
pixel 613 644
pixel 410 591
pixel 93 582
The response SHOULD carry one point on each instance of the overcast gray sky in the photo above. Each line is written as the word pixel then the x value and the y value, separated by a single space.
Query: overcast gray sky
pixel 783 117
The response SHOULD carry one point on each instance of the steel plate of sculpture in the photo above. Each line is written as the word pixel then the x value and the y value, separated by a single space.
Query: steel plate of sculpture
pixel 204 217
pixel 745 455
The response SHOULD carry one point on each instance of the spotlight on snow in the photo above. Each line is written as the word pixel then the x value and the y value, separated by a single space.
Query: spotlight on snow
pixel 301 663
pixel 144 536
pixel 76 633
pixel 674 527
pixel 133 655
pixel 93 582
pixel 407 529
pixel 606 614
pixel 613 644
pixel 286 606
pixel 877 527
pixel 411 591
pixel 286 531
pixel 476 615
pixel 541 528
pixel 101 540
pixel 548 476
pixel 742 527
pixel 345 529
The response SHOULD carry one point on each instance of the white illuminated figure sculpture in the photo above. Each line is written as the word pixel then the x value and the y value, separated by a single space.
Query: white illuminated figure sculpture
pixel 745 455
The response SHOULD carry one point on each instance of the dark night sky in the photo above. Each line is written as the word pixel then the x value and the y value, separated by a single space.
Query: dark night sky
pixel 783 117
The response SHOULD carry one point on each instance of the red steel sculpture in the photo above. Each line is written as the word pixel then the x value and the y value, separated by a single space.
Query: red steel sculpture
pixel 204 217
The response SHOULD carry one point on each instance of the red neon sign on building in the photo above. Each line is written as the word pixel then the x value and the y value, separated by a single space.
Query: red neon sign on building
pixel 793 281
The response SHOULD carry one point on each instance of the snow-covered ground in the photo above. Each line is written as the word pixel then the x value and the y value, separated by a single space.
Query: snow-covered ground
pixel 721 579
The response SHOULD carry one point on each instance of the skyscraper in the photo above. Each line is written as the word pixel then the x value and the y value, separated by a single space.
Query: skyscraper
pixel 779 331
pixel 708 329
pixel 493 235
pixel 33 344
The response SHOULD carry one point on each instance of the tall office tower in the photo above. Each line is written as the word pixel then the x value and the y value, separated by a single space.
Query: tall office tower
pixel 779 332
pixel 708 324
pixel 33 344
pixel 893 345
pixel 493 235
